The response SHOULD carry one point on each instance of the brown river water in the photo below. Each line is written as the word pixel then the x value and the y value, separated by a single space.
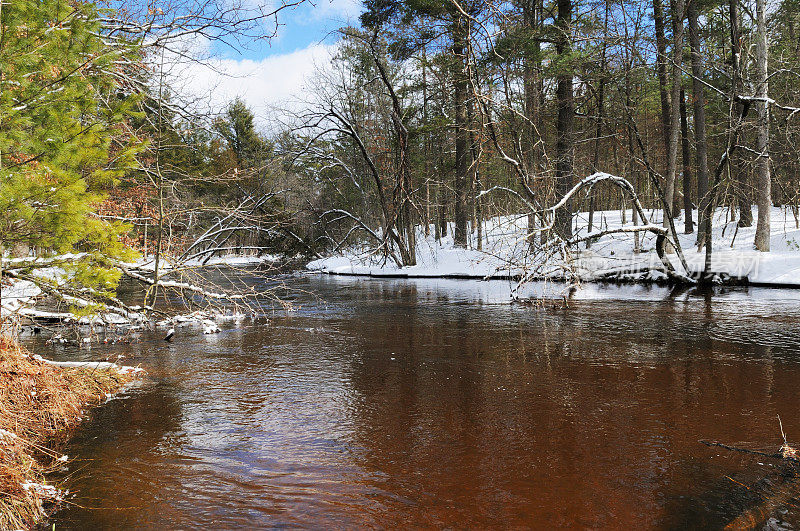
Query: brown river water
pixel 436 403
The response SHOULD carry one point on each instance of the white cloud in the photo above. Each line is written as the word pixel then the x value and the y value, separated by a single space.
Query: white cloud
pixel 277 81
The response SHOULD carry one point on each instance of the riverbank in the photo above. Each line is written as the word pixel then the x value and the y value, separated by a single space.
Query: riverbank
pixel 39 402
pixel 504 253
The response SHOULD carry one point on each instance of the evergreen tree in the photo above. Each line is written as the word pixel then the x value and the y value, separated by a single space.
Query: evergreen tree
pixel 63 139
pixel 237 129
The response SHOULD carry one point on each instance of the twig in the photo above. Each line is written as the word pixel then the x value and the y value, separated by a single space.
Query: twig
pixel 742 450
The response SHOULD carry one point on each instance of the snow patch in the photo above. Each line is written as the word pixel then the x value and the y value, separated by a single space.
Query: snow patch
pixel 45 491
pixel 504 252
pixel 94 365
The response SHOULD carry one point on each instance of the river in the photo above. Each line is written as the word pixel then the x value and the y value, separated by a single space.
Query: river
pixel 436 403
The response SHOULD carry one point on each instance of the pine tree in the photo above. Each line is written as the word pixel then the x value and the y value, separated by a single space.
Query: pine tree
pixel 63 139
pixel 237 128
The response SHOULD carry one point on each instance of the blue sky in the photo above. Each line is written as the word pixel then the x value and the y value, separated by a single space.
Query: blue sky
pixel 270 75
pixel 300 27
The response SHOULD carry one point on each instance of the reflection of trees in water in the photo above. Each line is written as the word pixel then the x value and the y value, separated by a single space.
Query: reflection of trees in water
pixel 586 416
pixel 478 417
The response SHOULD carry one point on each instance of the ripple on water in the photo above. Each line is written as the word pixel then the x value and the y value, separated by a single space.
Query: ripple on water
pixel 437 403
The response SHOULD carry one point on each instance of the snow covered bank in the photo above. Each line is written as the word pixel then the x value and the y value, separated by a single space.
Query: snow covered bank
pixel 235 260
pixel 41 277
pixel 91 365
pixel 504 253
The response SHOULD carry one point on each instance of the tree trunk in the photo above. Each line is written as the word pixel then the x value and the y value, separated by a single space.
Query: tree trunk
pixel 661 67
pixel 441 206
pixel 460 96
pixel 763 181
pixel 532 85
pixel 599 122
pixel 426 145
pixel 564 122
pixel 742 195
pixel 675 118
pixel 631 134
pixel 698 93
pixel 474 177
pixel 439 225
pixel 688 224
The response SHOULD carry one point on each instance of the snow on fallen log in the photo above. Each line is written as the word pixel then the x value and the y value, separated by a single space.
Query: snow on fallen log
pixel 93 365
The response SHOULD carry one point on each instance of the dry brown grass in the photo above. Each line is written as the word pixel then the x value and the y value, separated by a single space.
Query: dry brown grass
pixel 38 403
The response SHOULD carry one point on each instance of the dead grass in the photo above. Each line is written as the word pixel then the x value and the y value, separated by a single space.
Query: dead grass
pixel 38 403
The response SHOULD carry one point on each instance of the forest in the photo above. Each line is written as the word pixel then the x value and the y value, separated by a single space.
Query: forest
pixel 433 118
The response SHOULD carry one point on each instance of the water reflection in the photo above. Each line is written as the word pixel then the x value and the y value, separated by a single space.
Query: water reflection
pixel 437 403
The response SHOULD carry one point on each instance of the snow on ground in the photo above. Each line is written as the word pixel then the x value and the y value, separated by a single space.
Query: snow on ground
pixel 47 492
pixel 505 254
pixel 19 297
pixel 236 260
pixel 17 294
